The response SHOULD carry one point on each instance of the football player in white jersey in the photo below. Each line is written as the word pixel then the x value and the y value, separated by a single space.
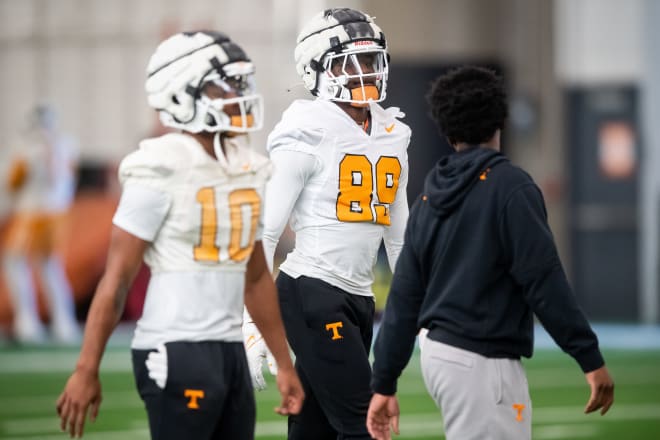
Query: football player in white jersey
pixel 192 207
pixel 340 179
pixel 42 184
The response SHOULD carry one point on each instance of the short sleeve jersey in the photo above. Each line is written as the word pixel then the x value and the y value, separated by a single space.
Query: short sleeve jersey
pixel 202 217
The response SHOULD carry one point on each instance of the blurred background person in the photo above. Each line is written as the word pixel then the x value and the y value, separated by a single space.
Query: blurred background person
pixel 41 185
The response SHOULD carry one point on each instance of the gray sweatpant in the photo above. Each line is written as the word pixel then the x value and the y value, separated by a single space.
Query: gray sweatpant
pixel 480 398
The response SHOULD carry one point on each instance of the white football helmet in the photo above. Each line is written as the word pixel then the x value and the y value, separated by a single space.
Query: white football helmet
pixel 184 64
pixel 349 43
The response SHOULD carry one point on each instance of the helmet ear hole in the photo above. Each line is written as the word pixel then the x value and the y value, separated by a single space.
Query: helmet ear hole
pixel 316 66
pixel 210 120
pixel 175 99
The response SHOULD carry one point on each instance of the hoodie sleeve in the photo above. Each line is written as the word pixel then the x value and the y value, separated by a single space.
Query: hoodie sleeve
pixel 534 264
pixel 396 338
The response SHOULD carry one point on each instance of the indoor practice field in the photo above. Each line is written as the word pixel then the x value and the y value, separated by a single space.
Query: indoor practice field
pixel 31 379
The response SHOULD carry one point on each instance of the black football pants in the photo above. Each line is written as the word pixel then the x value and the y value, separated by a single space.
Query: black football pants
pixel 330 332
pixel 208 394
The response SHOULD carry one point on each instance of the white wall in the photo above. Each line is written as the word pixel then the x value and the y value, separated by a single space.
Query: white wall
pixel 599 41
pixel 88 57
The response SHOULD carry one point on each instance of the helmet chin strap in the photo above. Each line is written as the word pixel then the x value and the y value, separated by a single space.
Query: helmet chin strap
pixel 217 146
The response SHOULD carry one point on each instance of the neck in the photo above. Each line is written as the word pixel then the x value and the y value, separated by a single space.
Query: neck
pixel 358 114
pixel 493 143
pixel 205 139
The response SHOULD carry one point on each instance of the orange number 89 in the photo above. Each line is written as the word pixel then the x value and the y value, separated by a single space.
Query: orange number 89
pixel 356 188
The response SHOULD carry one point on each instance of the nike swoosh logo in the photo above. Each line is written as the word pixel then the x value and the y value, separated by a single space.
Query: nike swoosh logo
pixel 390 128
pixel 251 341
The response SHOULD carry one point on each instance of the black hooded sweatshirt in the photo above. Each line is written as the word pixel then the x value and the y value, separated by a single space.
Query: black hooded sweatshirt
pixel 477 262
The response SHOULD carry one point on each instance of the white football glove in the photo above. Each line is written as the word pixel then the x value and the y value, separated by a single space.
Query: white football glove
pixel 257 352
pixel 157 365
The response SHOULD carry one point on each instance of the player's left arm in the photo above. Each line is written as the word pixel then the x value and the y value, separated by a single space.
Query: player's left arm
pixel 292 171
pixel 394 234
pixel 263 306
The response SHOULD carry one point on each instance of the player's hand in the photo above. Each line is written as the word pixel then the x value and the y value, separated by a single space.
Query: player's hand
pixel 257 353
pixel 82 391
pixel 383 413
pixel 291 391
pixel 602 390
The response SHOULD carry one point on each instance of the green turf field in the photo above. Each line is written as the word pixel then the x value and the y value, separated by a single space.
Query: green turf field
pixel 31 379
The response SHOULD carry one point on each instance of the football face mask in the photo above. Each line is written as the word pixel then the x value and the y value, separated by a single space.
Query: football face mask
pixel 357 76
pixel 230 104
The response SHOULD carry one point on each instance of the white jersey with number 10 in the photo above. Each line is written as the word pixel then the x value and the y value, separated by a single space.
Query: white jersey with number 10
pixel 202 217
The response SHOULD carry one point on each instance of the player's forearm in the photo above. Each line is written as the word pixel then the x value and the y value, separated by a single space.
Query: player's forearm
pixel 394 234
pixel 270 245
pixel 261 302
pixel 104 315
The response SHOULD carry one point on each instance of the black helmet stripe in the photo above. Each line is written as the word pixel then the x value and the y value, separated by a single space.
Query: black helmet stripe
pixel 218 37
pixel 345 15
pixel 234 52
pixel 359 29
pixel 179 57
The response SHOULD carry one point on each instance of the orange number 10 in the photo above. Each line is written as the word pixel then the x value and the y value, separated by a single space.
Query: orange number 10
pixel 239 199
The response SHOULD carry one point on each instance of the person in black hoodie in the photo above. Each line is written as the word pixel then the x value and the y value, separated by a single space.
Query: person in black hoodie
pixel 478 262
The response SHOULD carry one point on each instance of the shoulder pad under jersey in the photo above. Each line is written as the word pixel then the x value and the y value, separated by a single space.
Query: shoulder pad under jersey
pixel 299 129
pixel 156 159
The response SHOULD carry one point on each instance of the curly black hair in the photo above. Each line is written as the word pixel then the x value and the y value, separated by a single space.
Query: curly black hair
pixel 468 104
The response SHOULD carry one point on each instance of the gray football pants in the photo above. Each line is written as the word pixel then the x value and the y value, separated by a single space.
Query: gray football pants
pixel 480 398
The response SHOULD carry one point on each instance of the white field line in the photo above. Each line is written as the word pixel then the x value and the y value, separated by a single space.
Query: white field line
pixel 549 423
pixel 58 362
pixel 560 377
pixel 127 434
pixel 617 413
pixel 423 430
pixel 550 432
pixel 111 400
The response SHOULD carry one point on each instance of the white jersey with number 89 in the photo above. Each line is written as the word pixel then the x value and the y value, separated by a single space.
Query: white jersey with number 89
pixel 344 190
